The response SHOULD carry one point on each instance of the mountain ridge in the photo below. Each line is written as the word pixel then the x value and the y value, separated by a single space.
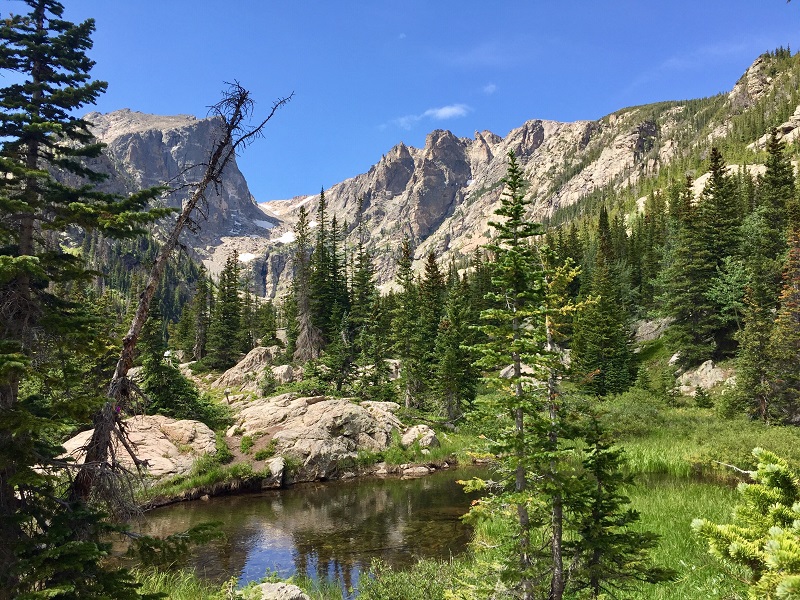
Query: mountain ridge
pixel 443 195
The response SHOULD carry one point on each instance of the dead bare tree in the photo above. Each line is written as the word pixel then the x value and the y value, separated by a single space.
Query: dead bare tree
pixel 234 111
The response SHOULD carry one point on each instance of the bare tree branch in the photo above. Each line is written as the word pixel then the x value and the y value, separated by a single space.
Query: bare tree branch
pixel 234 111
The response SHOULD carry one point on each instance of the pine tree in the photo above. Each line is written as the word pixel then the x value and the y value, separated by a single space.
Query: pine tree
pixel 689 274
pixel 720 219
pixel 372 380
pixel 601 351
pixel 51 545
pixel 760 302
pixel 764 536
pixel 405 321
pixel 225 328
pixel 321 295
pixel 363 291
pixel 784 344
pixel 610 554
pixel 307 342
pixel 455 377
pixel 431 307
pixel 517 333
pixel 775 190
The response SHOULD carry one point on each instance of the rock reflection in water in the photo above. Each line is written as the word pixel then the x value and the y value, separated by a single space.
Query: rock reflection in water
pixel 327 530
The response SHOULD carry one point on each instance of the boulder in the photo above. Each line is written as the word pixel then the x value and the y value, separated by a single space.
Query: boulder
pixel 424 435
pixel 410 472
pixel 318 431
pixel 706 376
pixel 245 374
pixel 393 365
pixel 275 467
pixel 277 591
pixel 647 331
pixel 283 374
pixel 169 446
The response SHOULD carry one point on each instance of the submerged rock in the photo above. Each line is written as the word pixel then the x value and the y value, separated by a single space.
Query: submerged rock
pixel 278 591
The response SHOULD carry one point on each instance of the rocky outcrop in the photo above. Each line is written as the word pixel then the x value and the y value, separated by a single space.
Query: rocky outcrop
pixel 422 435
pixel 647 331
pixel 442 195
pixel 706 376
pixel 319 433
pixel 244 376
pixel 168 446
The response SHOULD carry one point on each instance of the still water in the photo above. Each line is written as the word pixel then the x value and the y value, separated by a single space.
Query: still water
pixel 326 530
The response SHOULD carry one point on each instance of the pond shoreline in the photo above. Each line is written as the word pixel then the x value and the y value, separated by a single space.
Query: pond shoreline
pixel 259 482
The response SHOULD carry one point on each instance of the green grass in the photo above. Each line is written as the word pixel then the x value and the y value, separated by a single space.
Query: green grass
pixel 689 441
pixel 667 507
pixel 206 472
pixel 178 585
pixel 246 444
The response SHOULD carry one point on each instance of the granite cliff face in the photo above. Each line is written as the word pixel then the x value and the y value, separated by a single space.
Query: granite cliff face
pixel 148 150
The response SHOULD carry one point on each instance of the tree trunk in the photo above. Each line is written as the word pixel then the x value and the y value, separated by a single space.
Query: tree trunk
pixel 557 510
pixel 234 108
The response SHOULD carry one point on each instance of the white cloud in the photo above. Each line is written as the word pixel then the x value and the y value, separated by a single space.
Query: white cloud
pixel 489 89
pixel 442 113
pixel 451 111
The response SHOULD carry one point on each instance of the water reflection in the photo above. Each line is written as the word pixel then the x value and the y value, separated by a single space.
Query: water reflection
pixel 326 531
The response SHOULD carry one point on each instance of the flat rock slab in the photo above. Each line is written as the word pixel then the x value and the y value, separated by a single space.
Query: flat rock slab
pixel 169 446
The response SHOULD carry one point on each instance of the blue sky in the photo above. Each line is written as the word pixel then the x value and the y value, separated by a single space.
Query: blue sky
pixel 367 75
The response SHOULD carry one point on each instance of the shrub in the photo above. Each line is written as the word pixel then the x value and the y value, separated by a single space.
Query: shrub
pixel 267 452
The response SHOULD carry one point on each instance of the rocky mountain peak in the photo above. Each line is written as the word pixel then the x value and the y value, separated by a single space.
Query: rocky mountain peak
pixel 145 150
pixel 753 84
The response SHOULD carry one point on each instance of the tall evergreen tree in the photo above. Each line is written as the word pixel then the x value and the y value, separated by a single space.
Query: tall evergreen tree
pixel 517 333
pixel 319 274
pixel 405 319
pixel 432 293
pixel 225 328
pixel 51 545
pixel 307 342
pixel 363 291
pixel 720 220
pixel 601 351
pixel 455 376
pixel 784 345
pixel 688 276
pixel 610 554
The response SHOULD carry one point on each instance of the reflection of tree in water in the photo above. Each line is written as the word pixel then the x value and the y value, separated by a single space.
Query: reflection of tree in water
pixel 327 531
pixel 397 521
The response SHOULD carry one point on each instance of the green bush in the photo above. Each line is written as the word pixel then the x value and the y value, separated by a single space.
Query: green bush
pixel 268 383
pixel 224 454
pixel 246 444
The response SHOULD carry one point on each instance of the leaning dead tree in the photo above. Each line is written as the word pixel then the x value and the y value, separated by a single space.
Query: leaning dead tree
pixel 100 465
